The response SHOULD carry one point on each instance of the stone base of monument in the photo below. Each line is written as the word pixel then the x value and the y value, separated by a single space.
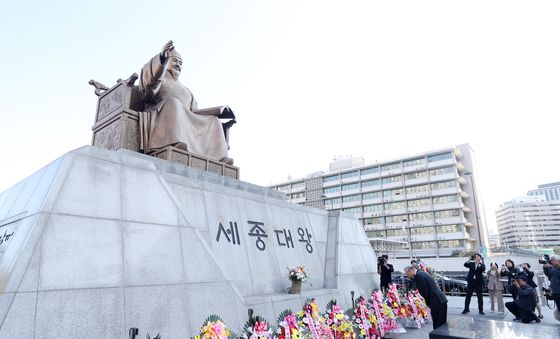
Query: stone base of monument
pixel 480 328
pixel 197 161
pixel 100 241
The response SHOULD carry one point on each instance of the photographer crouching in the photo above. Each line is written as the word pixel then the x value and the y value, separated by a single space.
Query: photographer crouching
pixel 551 268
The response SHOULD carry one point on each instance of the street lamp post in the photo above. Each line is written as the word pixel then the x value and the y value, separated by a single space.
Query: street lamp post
pixel 469 175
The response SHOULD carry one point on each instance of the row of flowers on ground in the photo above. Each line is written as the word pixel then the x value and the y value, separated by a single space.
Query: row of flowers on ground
pixel 373 317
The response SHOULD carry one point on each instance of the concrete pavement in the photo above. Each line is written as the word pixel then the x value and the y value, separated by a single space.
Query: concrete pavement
pixel 455 307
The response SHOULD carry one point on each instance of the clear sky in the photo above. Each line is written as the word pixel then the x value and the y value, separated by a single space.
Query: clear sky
pixel 308 80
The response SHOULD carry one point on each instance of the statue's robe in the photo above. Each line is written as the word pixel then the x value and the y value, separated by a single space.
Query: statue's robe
pixel 168 117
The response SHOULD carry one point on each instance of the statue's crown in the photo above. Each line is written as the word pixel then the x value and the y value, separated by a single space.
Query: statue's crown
pixel 175 54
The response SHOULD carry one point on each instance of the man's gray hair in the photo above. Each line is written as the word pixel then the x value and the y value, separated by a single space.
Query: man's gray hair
pixel 555 257
pixel 409 268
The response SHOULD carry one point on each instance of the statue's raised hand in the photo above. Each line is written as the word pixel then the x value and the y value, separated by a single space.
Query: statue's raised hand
pixel 166 51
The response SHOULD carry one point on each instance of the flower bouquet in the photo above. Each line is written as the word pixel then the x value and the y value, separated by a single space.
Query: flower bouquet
pixel 365 320
pixel 214 328
pixel 313 324
pixel 256 328
pixel 386 318
pixel 288 326
pixel 338 322
pixel 424 311
pixel 297 275
pixel 394 301
pixel 418 311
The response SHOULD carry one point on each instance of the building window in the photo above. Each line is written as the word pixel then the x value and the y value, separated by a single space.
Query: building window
pixel 392 193
pixel 399 232
pixel 442 171
pixel 285 188
pixel 396 218
pixel 444 185
pixel 331 178
pixel 451 243
pixel 349 187
pixel 450 228
pixel 417 175
pixel 297 195
pixel 423 245
pixel 390 167
pixel 446 199
pixel 440 157
pixel 370 183
pixel 421 216
pixel 376 234
pixel 367 171
pixel 393 179
pixel 333 189
pixel 395 205
pixel 353 210
pixel 371 195
pixel 373 221
pixel 351 198
pixel 373 208
pixel 417 189
pixel 447 214
pixel 419 202
pixel 422 230
pixel 330 202
pixel 414 162
pixel 349 175
pixel 298 186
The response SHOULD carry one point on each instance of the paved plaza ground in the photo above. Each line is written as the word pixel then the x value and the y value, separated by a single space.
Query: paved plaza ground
pixel 456 305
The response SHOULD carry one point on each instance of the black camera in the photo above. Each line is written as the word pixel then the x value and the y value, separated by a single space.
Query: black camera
pixel 545 259
pixel 547 293
pixel 472 257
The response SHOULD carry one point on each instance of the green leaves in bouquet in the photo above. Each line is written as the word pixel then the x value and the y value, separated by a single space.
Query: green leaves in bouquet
pixel 330 304
pixel 283 315
pixel 156 337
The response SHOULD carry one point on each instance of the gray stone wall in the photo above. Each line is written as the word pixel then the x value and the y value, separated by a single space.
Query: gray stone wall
pixel 101 241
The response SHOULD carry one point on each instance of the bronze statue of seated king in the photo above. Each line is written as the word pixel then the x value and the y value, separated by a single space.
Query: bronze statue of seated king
pixel 160 113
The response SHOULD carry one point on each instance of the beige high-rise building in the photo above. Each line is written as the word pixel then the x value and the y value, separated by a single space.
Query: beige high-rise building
pixel 529 222
pixel 426 205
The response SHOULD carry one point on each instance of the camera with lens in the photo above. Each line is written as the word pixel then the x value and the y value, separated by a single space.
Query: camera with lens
pixel 472 258
pixel 547 293
pixel 545 259
pixel 380 260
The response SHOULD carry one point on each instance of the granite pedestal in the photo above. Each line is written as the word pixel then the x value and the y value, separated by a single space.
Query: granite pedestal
pixel 99 241
pixel 480 328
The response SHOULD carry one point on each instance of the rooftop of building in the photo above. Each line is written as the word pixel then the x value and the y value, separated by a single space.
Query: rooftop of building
pixel 550 185
pixel 357 163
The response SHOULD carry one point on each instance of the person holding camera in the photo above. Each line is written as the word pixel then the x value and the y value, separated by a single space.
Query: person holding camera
pixel 384 269
pixel 523 308
pixel 495 288
pixel 552 271
pixel 475 280
pixel 530 275
pixel 510 271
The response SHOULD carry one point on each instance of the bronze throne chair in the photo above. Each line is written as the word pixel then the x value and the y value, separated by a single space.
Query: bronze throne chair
pixel 118 124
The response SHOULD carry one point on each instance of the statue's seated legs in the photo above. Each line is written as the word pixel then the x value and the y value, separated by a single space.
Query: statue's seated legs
pixel 165 132
pixel 200 134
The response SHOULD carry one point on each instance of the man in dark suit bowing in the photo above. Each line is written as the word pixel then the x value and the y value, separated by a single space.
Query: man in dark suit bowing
pixel 428 288
pixel 475 280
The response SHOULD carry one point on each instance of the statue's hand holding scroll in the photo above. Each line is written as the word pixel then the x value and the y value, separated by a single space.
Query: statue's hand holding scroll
pixel 166 51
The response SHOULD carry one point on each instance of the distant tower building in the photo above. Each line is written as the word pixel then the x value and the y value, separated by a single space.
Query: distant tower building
pixel 529 222
pixel 426 201
pixel 550 191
